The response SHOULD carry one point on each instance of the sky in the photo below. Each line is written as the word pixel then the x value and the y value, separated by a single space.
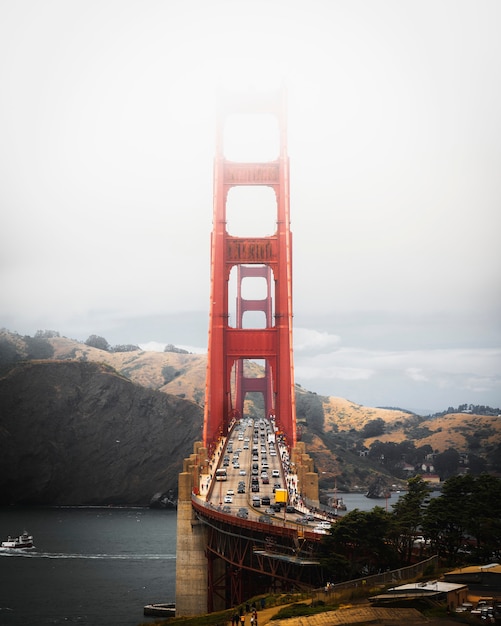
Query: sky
pixel 107 140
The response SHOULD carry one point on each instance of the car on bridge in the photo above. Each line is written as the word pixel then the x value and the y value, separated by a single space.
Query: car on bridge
pixel 228 499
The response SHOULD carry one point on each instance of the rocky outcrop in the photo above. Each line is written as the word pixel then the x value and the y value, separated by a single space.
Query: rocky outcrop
pixel 378 489
pixel 79 433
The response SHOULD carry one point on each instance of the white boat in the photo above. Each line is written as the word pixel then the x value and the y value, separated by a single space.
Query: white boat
pixel 22 541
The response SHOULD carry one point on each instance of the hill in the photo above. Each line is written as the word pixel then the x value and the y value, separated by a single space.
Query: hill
pixel 78 433
pixel 350 443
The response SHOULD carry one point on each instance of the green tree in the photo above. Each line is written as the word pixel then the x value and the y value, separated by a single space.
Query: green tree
pixel 359 541
pixel 484 522
pixel 38 348
pixel 374 428
pixel 447 517
pixel 95 341
pixel 408 513
pixel 447 463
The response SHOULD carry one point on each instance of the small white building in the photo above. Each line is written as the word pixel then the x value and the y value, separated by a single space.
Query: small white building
pixel 453 594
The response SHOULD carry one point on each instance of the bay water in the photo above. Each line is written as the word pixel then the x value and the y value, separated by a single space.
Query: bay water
pixel 95 566
pixel 90 566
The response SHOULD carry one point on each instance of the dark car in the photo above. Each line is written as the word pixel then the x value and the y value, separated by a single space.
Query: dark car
pixel 265 500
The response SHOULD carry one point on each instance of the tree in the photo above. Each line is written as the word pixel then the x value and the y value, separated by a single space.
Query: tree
pixel 38 348
pixel 359 541
pixel 447 517
pixel 447 463
pixel 374 428
pixel 484 523
pixel 408 513
pixel 172 348
pixel 46 334
pixel 125 347
pixel 94 341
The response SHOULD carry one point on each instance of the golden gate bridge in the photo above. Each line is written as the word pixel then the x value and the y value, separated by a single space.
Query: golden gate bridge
pixel 245 493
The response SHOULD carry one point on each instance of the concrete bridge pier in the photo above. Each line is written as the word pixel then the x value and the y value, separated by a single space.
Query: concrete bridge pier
pixel 307 477
pixel 191 562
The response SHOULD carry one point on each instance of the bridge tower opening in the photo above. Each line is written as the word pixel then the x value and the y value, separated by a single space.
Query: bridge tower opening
pixel 253 326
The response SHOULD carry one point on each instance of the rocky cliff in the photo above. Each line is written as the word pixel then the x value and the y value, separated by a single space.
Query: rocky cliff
pixel 79 433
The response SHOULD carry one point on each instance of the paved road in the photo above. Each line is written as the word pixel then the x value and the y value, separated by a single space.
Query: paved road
pixel 364 614
pixel 250 452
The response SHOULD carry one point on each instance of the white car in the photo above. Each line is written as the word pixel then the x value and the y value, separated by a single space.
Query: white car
pixel 242 472
pixel 230 492
pixel 228 499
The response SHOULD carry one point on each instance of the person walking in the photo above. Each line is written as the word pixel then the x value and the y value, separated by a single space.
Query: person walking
pixel 254 618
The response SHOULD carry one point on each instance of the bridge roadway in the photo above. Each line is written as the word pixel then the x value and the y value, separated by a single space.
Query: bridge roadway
pixel 257 464
pixel 254 546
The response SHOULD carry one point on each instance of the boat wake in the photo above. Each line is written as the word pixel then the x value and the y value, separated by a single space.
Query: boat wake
pixel 33 554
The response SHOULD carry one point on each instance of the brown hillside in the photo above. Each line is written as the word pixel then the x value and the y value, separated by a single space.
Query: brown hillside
pixel 454 430
pixel 171 372
pixel 183 375
pixel 347 415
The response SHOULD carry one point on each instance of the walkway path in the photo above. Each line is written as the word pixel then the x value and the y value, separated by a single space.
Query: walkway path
pixel 360 614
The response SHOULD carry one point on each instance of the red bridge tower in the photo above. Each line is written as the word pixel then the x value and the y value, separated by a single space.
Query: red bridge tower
pixel 268 258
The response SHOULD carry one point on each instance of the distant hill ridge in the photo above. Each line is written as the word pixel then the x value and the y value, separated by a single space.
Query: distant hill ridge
pixel 340 434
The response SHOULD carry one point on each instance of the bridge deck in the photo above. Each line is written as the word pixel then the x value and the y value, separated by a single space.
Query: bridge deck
pixel 256 464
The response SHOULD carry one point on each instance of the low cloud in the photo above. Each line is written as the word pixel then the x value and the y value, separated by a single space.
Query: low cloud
pixel 307 340
pixel 408 378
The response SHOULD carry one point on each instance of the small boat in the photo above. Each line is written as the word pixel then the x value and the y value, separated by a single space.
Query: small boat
pixel 340 505
pixel 22 541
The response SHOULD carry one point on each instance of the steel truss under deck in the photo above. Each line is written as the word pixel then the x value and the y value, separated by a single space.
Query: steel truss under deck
pixel 257 558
